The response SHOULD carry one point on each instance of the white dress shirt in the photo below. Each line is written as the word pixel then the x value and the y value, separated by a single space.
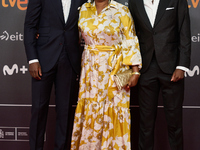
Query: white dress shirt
pixel 66 8
pixel 66 4
pixel 151 10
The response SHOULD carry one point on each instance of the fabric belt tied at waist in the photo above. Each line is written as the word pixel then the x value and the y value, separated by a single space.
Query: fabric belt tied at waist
pixel 113 62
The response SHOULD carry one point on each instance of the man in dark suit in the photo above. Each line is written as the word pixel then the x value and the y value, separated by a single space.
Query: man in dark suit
pixel 163 29
pixel 54 58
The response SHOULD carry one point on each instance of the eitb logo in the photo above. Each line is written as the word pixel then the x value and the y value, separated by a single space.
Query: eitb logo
pixel 5 36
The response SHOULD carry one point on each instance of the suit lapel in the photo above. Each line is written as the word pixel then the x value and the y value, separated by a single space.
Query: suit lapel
pixel 161 10
pixel 59 9
pixel 143 14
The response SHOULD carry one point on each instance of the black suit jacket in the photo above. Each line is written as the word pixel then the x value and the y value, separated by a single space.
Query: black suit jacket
pixel 46 18
pixel 169 37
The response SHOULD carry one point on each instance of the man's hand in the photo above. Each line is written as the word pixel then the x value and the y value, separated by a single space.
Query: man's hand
pixel 35 70
pixel 177 75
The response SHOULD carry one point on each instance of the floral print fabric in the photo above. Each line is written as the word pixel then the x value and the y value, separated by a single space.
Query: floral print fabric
pixel 102 118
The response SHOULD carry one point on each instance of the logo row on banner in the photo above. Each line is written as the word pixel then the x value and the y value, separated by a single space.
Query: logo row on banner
pixel 15 69
pixel 15 134
pixel 22 4
pixel 6 36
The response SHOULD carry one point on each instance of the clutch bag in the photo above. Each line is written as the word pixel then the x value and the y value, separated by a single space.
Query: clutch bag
pixel 122 79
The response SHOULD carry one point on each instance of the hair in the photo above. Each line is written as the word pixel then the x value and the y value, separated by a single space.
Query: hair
pixel 91 1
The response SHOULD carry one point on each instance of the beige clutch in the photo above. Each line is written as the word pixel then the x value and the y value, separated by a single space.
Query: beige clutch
pixel 122 79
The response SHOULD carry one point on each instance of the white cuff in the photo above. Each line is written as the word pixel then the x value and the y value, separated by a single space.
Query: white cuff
pixel 33 61
pixel 182 68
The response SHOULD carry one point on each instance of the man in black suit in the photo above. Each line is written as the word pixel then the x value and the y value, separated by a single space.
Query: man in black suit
pixel 163 29
pixel 54 58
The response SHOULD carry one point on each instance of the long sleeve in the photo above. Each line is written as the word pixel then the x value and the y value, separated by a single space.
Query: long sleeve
pixel 30 28
pixel 184 35
pixel 130 44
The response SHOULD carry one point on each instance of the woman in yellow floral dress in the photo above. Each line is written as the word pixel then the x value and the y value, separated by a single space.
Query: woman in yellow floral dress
pixel 102 118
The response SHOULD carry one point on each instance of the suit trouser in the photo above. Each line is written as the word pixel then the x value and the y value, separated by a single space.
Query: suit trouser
pixel 62 76
pixel 150 84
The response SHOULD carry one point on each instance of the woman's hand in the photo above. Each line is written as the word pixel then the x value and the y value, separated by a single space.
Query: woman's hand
pixel 132 82
pixel 134 78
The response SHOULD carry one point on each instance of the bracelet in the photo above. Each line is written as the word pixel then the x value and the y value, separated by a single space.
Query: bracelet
pixel 137 73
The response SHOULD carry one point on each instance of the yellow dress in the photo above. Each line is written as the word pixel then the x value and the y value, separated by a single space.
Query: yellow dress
pixel 102 118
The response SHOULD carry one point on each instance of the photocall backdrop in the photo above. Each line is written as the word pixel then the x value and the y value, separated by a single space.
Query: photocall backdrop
pixel 15 87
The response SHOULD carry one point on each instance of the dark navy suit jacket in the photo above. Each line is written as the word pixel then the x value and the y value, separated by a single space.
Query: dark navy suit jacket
pixel 46 18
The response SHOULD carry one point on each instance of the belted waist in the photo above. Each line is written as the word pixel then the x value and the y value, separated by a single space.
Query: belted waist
pixel 113 62
pixel 100 48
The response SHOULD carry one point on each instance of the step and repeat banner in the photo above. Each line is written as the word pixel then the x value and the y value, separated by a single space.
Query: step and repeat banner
pixel 15 87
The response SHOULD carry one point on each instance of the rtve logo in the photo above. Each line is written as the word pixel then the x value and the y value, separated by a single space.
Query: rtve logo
pixel 13 37
pixel 193 3
pixel 14 69
pixel 21 4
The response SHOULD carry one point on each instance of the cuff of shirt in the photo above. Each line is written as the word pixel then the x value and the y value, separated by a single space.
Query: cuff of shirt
pixel 182 68
pixel 33 61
